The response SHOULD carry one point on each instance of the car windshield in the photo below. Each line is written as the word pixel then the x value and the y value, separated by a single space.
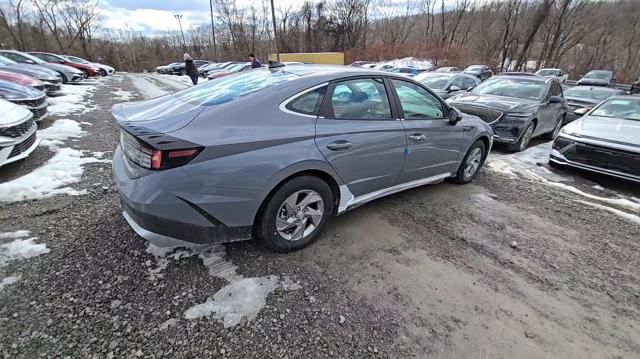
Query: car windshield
pixel 32 58
pixel 474 68
pixel 78 60
pixel 5 61
pixel 511 87
pixel 228 88
pixel 627 108
pixel 594 93
pixel 548 72
pixel 434 82
pixel 598 75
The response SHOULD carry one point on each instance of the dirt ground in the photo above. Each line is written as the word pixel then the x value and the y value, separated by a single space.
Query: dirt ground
pixel 526 262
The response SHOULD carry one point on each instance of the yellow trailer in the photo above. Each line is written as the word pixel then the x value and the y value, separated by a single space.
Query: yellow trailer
pixel 332 58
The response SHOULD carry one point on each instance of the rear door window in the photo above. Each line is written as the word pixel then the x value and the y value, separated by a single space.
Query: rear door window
pixel 360 99
pixel 307 103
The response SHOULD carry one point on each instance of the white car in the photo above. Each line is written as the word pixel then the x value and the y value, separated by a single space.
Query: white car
pixel 17 132
pixel 103 69
pixel 558 74
pixel 384 67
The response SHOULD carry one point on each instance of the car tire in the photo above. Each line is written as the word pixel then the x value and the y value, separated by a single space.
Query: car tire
pixel 556 130
pixel 291 232
pixel 103 73
pixel 64 78
pixel 524 139
pixel 471 163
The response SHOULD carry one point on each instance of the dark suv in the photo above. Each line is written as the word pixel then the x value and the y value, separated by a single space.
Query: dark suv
pixel 518 108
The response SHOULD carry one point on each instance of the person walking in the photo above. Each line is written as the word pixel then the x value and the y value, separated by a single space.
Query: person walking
pixel 255 63
pixel 191 69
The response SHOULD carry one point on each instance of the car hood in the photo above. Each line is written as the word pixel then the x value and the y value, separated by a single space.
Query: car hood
pixel 19 78
pixel 162 114
pixel 582 100
pixel 12 114
pixel 17 92
pixel 501 103
pixel 36 71
pixel 62 68
pixel 606 128
pixel 595 82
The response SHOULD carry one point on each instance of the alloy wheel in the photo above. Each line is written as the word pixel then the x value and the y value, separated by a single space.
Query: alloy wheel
pixel 473 162
pixel 299 215
pixel 526 137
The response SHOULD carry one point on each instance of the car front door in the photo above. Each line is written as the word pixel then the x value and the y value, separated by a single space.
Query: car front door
pixel 434 145
pixel 551 110
pixel 358 134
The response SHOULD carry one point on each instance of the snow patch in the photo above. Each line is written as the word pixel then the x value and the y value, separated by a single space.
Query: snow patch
pixel 147 88
pixel 17 234
pixel 628 216
pixel 8 281
pixel 61 130
pixel 123 95
pixel 53 178
pixel 242 298
pixel 73 100
pixel 180 82
pixel 422 64
pixel 21 249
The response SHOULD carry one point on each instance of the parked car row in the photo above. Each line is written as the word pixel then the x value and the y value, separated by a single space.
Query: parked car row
pixel 26 79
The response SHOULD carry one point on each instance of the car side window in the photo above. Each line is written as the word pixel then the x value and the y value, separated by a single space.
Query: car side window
pixel 556 90
pixel 360 99
pixel 459 82
pixel 469 83
pixel 416 102
pixel 11 56
pixel 307 103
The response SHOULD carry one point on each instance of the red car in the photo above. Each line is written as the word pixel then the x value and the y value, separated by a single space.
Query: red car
pixel 89 70
pixel 21 79
pixel 229 71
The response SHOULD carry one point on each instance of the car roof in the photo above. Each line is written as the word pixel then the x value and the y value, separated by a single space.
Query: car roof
pixel 608 71
pixel 525 76
pixel 307 69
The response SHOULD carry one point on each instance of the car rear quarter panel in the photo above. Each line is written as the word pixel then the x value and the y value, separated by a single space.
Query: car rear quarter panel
pixel 252 144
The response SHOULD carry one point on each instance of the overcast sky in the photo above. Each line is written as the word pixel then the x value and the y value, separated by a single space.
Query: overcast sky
pixel 157 15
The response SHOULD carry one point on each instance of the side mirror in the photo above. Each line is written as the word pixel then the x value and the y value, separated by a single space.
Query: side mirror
pixel 29 61
pixel 581 111
pixel 454 116
pixel 555 99
pixel 453 88
pixel 470 88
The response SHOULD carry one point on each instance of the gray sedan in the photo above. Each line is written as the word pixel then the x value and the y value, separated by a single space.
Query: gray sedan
pixel 447 84
pixel 275 153
pixel 67 73
pixel 51 79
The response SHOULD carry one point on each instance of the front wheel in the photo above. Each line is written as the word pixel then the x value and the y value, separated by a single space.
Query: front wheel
pixel 471 163
pixel 296 214
pixel 523 142
pixel 64 78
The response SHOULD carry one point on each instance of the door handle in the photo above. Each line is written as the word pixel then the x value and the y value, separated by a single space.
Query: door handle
pixel 417 137
pixel 340 145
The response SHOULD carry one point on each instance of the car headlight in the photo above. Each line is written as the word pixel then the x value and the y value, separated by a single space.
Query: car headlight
pixel 11 96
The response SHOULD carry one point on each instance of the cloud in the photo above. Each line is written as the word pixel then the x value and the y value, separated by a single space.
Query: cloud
pixel 151 20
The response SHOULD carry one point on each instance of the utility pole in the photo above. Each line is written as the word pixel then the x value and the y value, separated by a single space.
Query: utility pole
pixel 184 42
pixel 213 32
pixel 275 31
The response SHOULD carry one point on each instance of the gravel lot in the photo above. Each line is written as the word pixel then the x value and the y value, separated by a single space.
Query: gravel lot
pixel 522 263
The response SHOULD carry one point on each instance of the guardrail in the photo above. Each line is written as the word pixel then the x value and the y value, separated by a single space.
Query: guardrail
pixel 618 86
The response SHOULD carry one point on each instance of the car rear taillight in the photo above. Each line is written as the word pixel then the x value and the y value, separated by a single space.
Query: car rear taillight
pixel 148 157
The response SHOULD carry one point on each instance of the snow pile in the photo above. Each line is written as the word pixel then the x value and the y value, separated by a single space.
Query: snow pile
pixel 60 131
pixel 422 64
pixel 123 95
pixel 53 178
pixel 147 88
pixel 242 297
pixel 628 216
pixel 181 82
pixel 73 100
pixel 20 248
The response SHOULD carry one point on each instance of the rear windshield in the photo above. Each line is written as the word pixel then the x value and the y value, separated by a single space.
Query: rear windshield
pixel 548 72
pixel 594 93
pixel 228 88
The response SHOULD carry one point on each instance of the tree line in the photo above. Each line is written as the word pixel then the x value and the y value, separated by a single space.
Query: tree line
pixel 518 35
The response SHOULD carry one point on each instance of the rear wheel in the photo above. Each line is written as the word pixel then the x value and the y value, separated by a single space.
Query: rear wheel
pixel 523 141
pixel 103 73
pixel 296 214
pixel 471 163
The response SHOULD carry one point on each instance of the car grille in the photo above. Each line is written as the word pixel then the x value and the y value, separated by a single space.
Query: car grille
pixel 486 114
pixel 53 87
pixel 39 113
pixel 40 87
pixel 54 82
pixel 17 131
pixel 605 157
pixel 31 103
pixel 23 146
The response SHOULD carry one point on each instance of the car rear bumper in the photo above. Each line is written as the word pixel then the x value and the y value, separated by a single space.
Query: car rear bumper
pixel 169 208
